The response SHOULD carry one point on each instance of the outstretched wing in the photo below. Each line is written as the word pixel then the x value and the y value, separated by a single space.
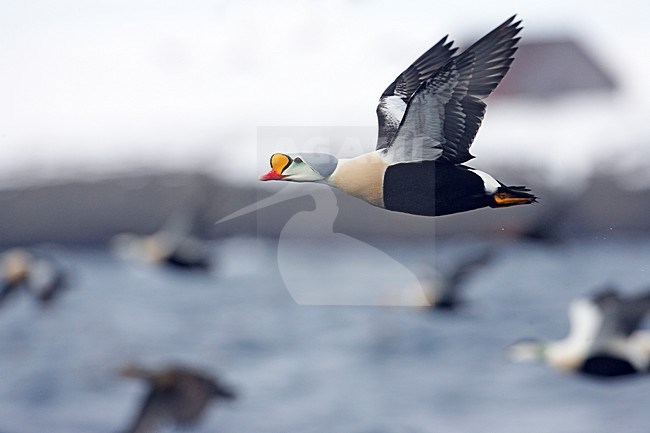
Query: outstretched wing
pixel 6 289
pixel 445 112
pixel 152 413
pixel 45 279
pixel 621 316
pixel 468 266
pixel 449 291
pixel 392 103
pixel 634 311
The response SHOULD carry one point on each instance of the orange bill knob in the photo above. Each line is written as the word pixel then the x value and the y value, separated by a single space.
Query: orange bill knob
pixel 279 162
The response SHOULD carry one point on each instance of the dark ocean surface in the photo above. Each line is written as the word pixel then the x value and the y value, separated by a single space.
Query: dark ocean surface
pixel 304 369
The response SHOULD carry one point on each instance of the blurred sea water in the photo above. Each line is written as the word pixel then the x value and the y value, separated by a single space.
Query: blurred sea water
pixel 314 369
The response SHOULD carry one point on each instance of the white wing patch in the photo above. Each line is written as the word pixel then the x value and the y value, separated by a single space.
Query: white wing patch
pixel 420 136
pixel 395 106
pixel 390 112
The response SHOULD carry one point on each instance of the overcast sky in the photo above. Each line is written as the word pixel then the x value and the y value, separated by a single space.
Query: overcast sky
pixel 106 85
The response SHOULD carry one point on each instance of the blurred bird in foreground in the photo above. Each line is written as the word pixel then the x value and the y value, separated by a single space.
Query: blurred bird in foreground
pixel 546 228
pixel 177 396
pixel 604 339
pixel 173 245
pixel 443 289
pixel 41 276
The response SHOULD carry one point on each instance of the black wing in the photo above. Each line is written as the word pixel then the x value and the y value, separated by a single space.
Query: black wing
pixel 394 99
pixel 444 114
pixel 46 280
pixel 622 316
pixel 468 266
pixel 153 413
pixel 6 289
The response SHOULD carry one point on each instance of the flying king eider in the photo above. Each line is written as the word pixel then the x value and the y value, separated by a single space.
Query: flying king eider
pixel 428 118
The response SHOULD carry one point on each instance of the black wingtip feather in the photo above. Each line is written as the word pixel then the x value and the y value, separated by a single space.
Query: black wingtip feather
pixel 510 22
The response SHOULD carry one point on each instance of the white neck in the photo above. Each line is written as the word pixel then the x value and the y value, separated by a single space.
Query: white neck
pixel 491 184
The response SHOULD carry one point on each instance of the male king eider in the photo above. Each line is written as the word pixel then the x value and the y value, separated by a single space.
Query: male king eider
pixel 604 339
pixel 428 118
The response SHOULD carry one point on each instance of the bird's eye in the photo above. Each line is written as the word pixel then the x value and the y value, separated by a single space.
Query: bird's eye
pixel 298 160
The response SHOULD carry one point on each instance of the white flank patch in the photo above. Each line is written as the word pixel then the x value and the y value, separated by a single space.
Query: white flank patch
pixel 491 184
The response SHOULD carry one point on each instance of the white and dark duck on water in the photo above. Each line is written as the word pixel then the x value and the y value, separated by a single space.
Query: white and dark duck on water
pixel 605 338
pixel 37 274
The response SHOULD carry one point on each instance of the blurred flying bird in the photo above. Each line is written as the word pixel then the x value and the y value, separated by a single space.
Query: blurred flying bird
pixel 177 396
pixel 174 244
pixel 41 276
pixel 604 339
pixel 428 118
pixel 546 227
pixel 443 289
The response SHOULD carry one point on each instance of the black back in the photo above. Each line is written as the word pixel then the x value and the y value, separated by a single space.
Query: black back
pixel 432 188
pixel 607 366
pixel 189 254
pixel 181 262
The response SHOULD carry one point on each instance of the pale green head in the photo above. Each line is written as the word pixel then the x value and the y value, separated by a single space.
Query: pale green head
pixel 528 350
pixel 301 167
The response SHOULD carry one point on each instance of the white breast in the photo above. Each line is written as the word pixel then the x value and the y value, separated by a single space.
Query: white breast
pixel 361 177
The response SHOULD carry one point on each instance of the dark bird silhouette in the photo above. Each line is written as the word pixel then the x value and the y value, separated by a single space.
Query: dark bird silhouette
pixel 176 396
pixel 40 276
pixel 174 244
pixel 547 227
pixel 15 267
pixel 444 289
pixel 604 339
